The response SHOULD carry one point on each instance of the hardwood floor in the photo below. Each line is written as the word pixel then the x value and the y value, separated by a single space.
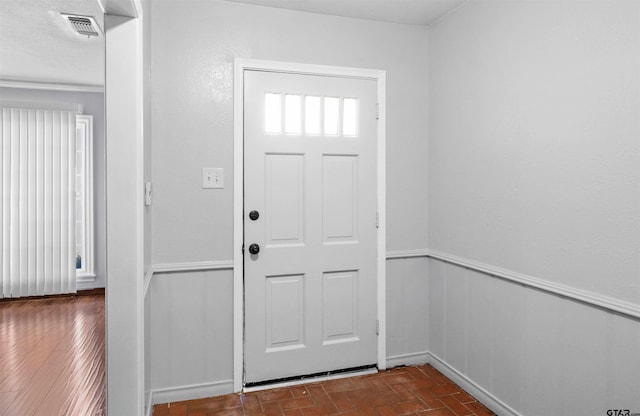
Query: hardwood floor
pixel 52 360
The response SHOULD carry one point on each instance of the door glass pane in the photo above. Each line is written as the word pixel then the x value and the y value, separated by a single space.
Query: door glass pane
pixel 292 114
pixel 272 113
pixel 349 117
pixel 312 115
pixel 331 115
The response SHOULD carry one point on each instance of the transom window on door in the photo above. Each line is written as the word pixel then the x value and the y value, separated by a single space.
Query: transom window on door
pixel 296 114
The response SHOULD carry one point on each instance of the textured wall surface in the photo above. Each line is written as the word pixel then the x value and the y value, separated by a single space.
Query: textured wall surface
pixel 534 167
pixel 192 127
pixel 534 140
pixel 192 74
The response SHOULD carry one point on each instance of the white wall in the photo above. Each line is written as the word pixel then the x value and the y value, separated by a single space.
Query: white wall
pixel 125 239
pixel 192 111
pixel 534 168
pixel 92 104
pixel 145 21
pixel 192 122
pixel 534 140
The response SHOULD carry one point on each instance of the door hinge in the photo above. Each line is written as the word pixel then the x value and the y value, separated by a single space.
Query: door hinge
pixel 377 327
pixel 377 220
pixel 148 194
pixel 377 111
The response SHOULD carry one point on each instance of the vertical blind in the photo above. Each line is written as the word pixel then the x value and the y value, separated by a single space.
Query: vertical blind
pixel 37 213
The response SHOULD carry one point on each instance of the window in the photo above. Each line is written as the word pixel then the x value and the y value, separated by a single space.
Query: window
pixel 331 115
pixel 350 117
pixel 292 116
pixel 272 113
pixel 312 115
pixel 84 198
pixel 322 116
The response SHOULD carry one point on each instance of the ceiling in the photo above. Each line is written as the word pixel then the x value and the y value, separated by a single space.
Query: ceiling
pixel 37 44
pixel 413 12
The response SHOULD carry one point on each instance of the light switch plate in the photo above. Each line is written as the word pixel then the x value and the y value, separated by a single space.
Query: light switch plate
pixel 212 178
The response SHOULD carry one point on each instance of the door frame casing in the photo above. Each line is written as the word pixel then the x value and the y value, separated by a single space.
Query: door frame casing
pixel 240 66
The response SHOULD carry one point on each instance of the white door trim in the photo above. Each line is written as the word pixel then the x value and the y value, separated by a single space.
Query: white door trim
pixel 241 65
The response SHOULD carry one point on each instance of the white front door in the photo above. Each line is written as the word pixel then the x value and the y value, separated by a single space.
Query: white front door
pixel 310 209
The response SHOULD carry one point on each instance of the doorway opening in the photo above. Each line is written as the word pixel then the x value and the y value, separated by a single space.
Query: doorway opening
pixel 309 203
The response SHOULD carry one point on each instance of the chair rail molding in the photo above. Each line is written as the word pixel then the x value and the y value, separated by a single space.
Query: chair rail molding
pixel 628 309
pixel 192 266
pixel 621 307
pixel 36 85
pixel 407 254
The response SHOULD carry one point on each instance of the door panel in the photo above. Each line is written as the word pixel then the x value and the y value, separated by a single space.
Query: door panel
pixel 284 317
pixel 340 307
pixel 340 198
pixel 310 171
pixel 284 176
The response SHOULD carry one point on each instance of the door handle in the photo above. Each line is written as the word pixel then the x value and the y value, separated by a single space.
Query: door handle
pixel 254 215
pixel 254 248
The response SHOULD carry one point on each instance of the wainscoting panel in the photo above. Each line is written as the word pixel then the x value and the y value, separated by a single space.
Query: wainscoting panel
pixel 191 330
pixel 545 321
pixel 189 325
pixel 455 318
pixel 537 352
pixel 437 307
pixel 407 308
pixel 507 345
pixel 479 332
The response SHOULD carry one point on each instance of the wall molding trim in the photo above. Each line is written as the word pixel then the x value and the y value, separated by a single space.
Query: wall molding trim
pixel 414 358
pixel 407 254
pixel 593 299
pixel 482 395
pixel 188 392
pixel 50 86
pixel 147 282
pixel 192 266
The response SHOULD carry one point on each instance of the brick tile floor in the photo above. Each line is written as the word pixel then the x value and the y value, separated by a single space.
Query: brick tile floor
pixel 417 390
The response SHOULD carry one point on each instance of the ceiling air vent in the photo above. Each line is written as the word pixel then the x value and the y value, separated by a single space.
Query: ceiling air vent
pixel 83 25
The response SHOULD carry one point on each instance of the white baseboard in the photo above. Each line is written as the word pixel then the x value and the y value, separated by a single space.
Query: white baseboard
pixel 483 396
pixel 414 358
pixel 190 392
pixel 218 388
